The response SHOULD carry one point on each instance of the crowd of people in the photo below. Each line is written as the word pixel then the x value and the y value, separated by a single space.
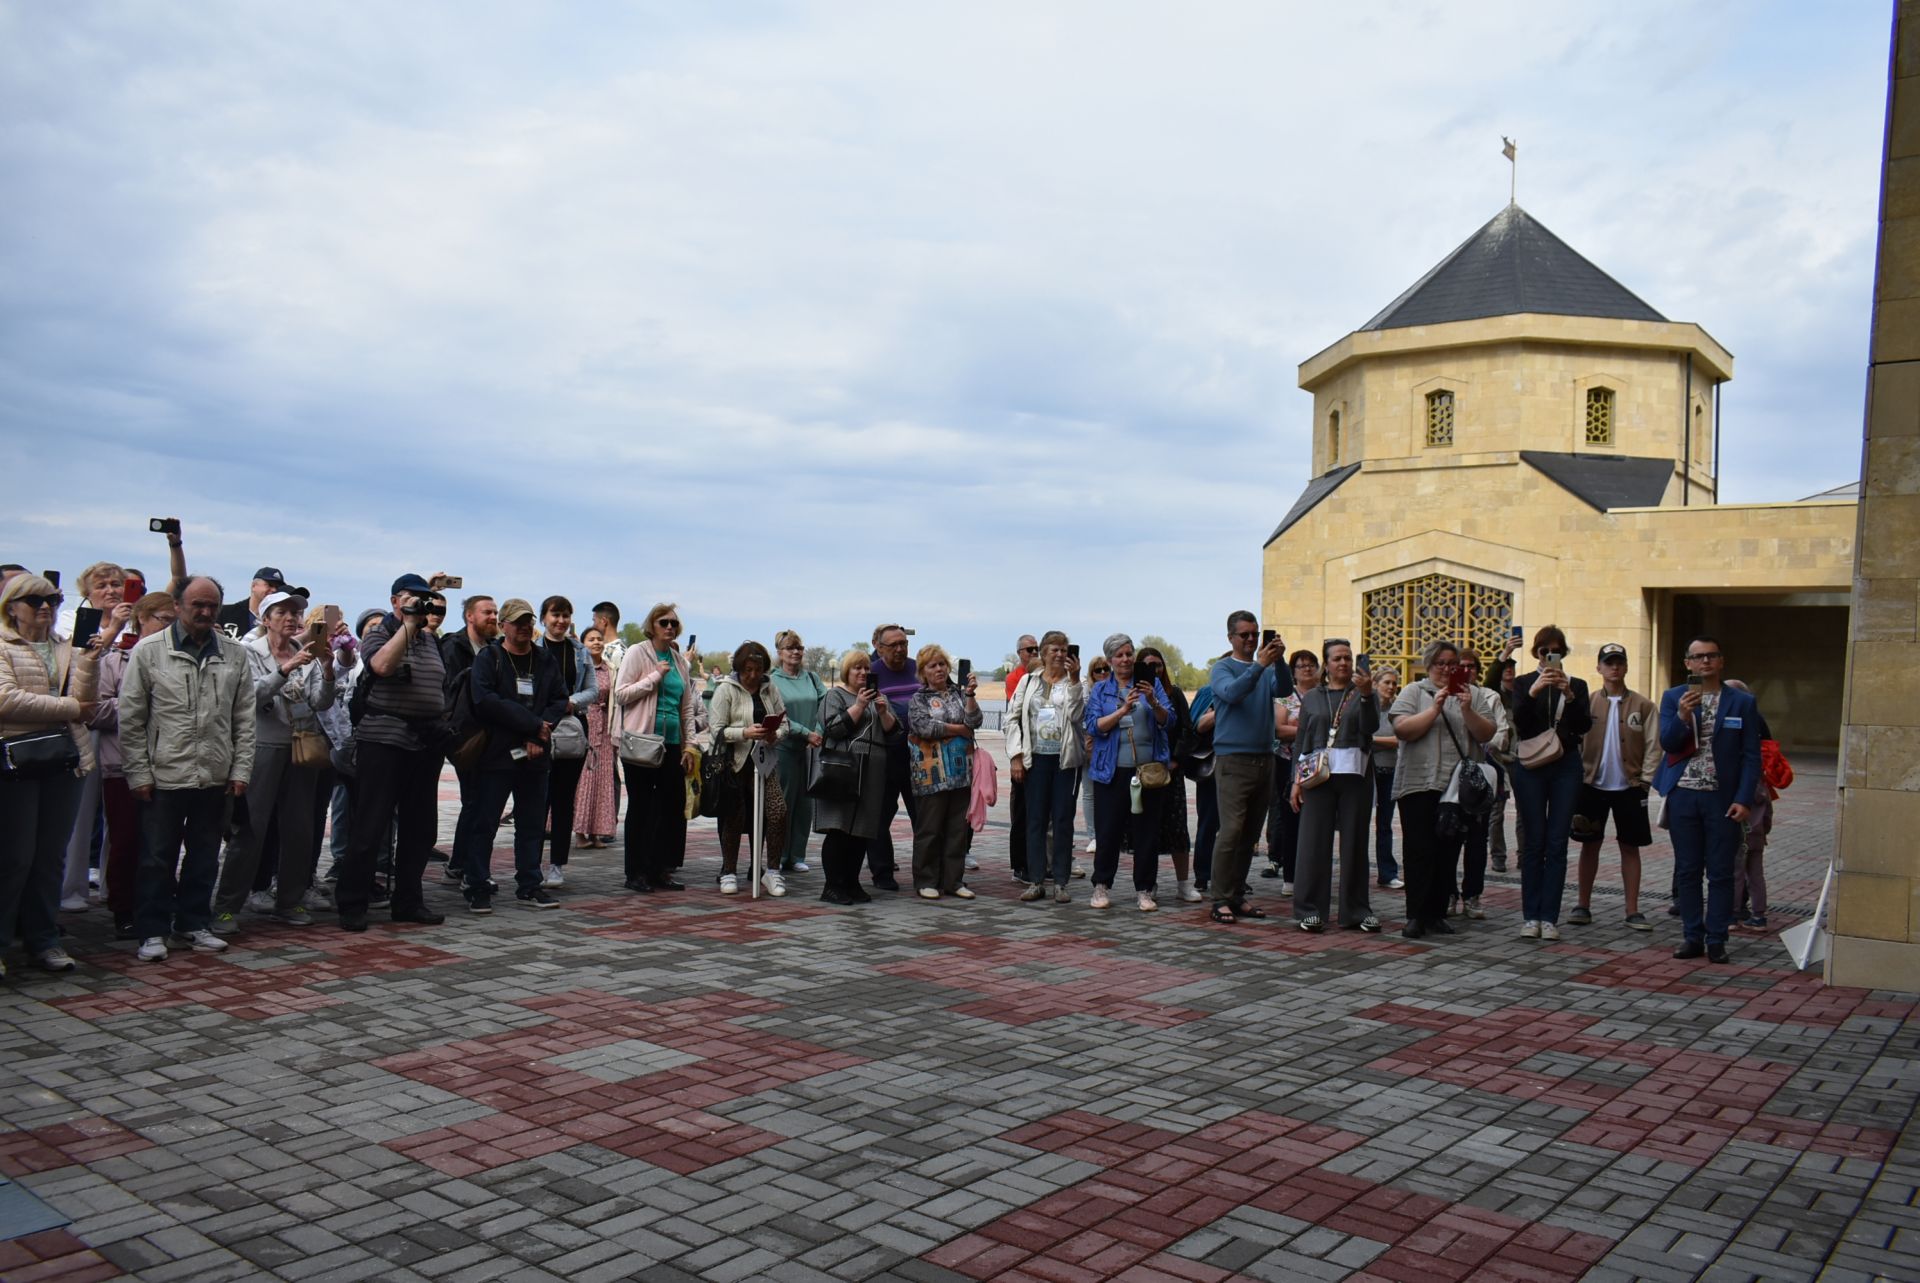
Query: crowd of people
pixel 197 757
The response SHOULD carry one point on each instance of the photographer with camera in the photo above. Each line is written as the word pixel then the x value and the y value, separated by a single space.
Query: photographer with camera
pixel 1440 720
pixel 399 736
pixel 1552 714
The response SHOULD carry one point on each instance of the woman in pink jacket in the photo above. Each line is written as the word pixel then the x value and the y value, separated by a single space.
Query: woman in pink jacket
pixel 654 695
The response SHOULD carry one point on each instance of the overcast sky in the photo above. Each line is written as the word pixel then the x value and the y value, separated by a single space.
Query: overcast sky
pixel 979 317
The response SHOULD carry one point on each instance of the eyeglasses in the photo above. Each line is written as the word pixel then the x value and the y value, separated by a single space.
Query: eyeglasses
pixel 1712 654
pixel 1248 635
pixel 37 602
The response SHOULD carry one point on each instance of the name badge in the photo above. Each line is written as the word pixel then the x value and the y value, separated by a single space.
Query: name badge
pixel 526 687
pixel 1733 723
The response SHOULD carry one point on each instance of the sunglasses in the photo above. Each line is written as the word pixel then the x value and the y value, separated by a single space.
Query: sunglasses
pixel 668 623
pixel 1029 650
pixel 37 602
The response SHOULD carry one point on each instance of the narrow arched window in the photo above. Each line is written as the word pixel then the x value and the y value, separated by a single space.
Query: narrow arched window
pixel 1333 437
pixel 1439 418
pixel 1599 416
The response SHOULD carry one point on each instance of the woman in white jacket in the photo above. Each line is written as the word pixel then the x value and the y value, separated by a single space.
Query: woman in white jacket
pixel 289 688
pixel 1046 751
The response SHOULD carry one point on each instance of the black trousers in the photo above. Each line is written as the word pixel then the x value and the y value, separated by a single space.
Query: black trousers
pixel 1428 859
pixel 656 832
pixel 880 857
pixel 1112 809
pixel 840 853
pixel 563 781
pixel 1017 827
pixel 392 786
pixel 526 784
pixel 179 859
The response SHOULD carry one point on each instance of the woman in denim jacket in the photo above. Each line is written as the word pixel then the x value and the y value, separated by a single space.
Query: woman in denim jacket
pixel 1128 721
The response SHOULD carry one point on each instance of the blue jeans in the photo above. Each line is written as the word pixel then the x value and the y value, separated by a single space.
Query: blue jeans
pixel 527 785
pixel 1049 792
pixel 1545 799
pixel 1383 825
pixel 179 859
pixel 1704 841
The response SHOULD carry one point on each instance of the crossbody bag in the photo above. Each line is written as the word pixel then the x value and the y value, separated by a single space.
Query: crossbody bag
pixel 1311 770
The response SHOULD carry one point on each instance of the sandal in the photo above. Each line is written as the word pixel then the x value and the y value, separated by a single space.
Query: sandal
pixel 1223 914
pixel 1248 911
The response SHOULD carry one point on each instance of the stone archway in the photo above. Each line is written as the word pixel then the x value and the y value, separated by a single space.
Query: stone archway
pixel 1399 620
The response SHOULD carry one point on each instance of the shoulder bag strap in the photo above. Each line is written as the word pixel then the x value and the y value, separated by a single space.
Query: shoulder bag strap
pixel 1464 756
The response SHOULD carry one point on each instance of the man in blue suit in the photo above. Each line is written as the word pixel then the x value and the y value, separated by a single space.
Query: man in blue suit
pixel 1711 734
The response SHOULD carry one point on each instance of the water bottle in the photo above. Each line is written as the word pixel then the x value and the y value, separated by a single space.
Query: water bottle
pixel 1133 793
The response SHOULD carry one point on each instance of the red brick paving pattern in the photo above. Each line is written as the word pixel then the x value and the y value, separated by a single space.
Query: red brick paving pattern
pixel 83 1141
pixel 53 1256
pixel 1115 986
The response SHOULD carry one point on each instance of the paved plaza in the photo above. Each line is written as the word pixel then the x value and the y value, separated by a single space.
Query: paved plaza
pixel 679 1087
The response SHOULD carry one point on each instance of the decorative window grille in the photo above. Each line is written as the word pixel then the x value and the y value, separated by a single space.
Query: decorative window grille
pixel 1439 418
pixel 1400 620
pixel 1599 416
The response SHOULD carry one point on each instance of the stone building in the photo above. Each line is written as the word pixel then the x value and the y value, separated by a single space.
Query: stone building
pixel 1519 439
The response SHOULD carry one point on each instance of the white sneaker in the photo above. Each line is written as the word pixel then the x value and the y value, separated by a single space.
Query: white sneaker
pixel 962 893
pixel 1092 846
pixel 204 941
pixel 74 904
pixel 801 866
pixel 972 863
pixel 555 876
pixel 772 883
pixel 1100 898
pixel 1187 894
pixel 1079 870
pixel 152 949
pixel 1530 930
pixel 1396 884
pixel 261 902
pixel 729 884
pixel 316 900
pixel 929 893
pixel 1286 888
pixel 1147 903
pixel 54 959
pixel 1549 931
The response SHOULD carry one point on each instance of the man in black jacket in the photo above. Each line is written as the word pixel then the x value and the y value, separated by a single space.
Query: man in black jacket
pixel 457 650
pixel 518 696
pixel 239 618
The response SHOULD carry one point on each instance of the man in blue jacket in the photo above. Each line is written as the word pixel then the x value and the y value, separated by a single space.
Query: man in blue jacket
pixel 1244 684
pixel 1711 772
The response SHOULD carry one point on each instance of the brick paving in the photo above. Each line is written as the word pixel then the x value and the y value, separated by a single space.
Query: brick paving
pixel 691 1087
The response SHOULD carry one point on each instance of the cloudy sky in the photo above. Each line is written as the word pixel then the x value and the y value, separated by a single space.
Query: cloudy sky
pixel 978 317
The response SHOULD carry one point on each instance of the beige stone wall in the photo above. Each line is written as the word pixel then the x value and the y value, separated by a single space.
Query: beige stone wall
pixel 1875 922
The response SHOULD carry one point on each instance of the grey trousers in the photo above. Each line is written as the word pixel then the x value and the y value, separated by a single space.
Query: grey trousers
pixel 1337 808
pixel 940 835
pixel 279 793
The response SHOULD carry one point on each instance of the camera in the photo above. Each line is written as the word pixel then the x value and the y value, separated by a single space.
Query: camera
pixel 416 608
pixel 164 525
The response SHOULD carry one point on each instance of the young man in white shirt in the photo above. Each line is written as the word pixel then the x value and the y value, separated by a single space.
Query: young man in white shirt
pixel 1619 755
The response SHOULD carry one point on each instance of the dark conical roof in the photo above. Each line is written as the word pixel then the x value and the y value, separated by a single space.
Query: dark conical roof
pixel 1513 264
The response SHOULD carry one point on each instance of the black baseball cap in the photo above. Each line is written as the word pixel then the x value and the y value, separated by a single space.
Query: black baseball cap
pixel 409 582
pixel 1612 650
pixel 271 575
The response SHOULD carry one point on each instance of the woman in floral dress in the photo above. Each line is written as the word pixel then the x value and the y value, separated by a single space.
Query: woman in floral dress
pixel 593 805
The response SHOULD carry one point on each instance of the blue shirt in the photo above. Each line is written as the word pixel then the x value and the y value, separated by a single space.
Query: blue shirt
pixel 1102 701
pixel 1243 695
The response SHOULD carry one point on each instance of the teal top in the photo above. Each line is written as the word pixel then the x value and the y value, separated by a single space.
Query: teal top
pixel 802 695
pixel 666 714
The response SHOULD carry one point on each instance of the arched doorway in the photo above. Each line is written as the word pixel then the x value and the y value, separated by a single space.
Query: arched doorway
pixel 1399 620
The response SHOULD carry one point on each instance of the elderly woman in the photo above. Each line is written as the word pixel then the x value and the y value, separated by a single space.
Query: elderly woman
pixel 855 718
pixel 1386 756
pixel 941 718
pixel 153 613
pixel 802 691
pixel 292 680
pixel 595 807
pixel 1128 717
pixel 102 587
pixel 654 695
pixel 1438 721
pixel 1547 700
pixel 1045 751
pixel 1338 718
pixel 46 691
pixel 748 712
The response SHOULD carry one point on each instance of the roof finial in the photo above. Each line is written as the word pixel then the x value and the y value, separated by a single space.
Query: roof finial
pixel 1511 152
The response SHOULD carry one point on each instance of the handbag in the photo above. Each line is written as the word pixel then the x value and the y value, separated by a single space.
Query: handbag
pixel 639 748
pixel 719 786
pixel 1473 787
pixel 568 741
pixel 1316 768
pixel 40 755
pixel 1544 749
pixel 1152 775
pixel 833 773
pixel 311 749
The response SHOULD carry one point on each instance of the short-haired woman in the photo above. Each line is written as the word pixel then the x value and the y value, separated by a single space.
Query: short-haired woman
pixel 1386 756
pixel 44 686
pixel 802 692
pixel 653 694
pixel 1338 718
pixel 595 808
pixel 941 719
pixel 289 687
pixel 1045 751
pixel 1128 718
pixel 743 703
pixel 854 718
pixel 1438 720
pixel 1545 796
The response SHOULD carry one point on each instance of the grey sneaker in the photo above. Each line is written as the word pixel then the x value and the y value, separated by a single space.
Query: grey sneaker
pixel 297 916
pixel 261 902
pixel 1033 892
pixel 226 924
pixel 1580 917
pixel 54 959
pixel 1061 895
pixel 1638 922
pixel 1474 910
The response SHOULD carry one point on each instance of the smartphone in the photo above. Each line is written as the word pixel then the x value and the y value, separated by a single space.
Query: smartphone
pixel 51 576
pixel 317 633
pixel 873 681
pixel 966 670
pixel 454 581
pixel 692 642
pixel 164 525
pixel 86 624
pixel 1550 660
pixel 330 616
pixel 1073 649
pixel 1515 632
pixel 1694 679
pixel 1363 662
pixel 771 722
pixel 135 589
pixel 1266 637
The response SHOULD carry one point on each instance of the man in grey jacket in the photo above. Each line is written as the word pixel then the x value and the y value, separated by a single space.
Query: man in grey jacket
pixel 186 731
